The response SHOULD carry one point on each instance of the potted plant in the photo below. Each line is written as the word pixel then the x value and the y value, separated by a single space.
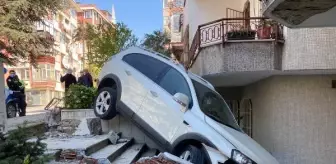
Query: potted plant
pixel 241 34
pixel 264 30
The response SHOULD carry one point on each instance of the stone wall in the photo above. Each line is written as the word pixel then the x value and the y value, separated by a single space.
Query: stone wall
pixel 309 48
pixel 237 57
pixel 294 118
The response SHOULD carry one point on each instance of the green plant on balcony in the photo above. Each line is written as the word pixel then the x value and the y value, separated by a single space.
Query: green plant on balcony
pixel 79 97
pixel 241 34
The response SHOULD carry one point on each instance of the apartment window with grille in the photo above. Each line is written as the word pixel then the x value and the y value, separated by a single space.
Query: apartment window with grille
pixel 242 111
pixel 87 14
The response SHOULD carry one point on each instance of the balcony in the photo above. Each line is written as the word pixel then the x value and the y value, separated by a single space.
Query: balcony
pixel 301 13
pixel 231 47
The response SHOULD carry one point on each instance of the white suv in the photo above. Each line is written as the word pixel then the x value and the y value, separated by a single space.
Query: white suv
pixel 180 111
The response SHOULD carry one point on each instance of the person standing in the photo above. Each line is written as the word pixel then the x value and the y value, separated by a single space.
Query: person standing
pixel 81 78
pixel 14 84
pixel 68 79
pixel 87 78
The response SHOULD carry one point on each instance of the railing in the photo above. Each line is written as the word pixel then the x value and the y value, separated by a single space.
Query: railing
pixel 234 29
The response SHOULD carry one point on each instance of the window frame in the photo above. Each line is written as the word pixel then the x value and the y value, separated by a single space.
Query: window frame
pixel 191 103
pixel 144 55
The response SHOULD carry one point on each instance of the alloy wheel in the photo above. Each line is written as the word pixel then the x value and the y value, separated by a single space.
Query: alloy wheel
pixel 186 155
pixel 103 102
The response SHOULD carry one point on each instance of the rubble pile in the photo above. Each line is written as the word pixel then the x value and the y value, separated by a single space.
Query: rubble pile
pixel 163 158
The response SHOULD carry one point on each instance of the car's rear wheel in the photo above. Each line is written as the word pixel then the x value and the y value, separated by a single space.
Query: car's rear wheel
pixel 11 110
pixel 105 103
pixel 192 154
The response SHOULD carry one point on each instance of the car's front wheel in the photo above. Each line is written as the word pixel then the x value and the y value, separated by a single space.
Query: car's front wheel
pixel 105 103
pixel 192 154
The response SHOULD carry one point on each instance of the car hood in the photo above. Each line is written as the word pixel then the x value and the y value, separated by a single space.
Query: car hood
pixel 243 143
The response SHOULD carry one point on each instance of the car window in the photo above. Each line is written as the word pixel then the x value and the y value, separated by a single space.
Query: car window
pixel 147 65
pixel 214 106
pixel 174 82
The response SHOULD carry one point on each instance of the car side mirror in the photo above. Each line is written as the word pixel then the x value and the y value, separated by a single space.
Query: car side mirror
pixel 182 99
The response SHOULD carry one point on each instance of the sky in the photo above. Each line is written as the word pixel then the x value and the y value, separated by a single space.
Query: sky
pixel 142 16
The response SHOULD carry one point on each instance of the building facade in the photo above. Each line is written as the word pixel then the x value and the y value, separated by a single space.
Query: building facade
pixel 43 82
pixel 279 82
pixel 172 24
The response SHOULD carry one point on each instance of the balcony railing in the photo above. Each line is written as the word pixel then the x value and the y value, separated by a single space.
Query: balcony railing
pixel 233 30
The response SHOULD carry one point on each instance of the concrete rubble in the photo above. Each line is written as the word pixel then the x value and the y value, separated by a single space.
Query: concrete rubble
pixel 163 158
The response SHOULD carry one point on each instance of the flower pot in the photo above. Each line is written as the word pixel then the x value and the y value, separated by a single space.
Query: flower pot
pixel 264 32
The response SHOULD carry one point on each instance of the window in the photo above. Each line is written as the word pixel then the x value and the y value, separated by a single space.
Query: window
pixel 176 23
pixel 179 3
pixel 174 82
pixel 88 14
pixel 147 65
pixel 23 73
pixel 44 72
pixel 214 106
pixel 166 21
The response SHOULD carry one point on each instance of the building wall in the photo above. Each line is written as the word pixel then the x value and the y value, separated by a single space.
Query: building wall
pixel 237 57
pixel 294 118
pixel 200 12
pixel 197 12
pixel 312 48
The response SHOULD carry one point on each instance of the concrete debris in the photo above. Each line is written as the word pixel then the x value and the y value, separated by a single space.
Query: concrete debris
pixel 68 155
pixel 56 134
pixel 89 126
pixel 68 126
pixel 162 158
pixel 94 126
pixel 53 117
pixel 122 140
pixel 89 161
pixel 113 137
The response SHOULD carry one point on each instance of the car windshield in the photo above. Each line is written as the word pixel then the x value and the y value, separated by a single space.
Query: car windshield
pixel 214 106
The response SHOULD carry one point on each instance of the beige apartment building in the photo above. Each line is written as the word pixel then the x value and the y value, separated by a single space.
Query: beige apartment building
pixel 279 82
pixel 172 21
pixel 43 82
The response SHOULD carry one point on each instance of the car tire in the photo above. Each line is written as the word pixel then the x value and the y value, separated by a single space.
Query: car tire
pixel 105 104
pixel 11 110
pixel 192 154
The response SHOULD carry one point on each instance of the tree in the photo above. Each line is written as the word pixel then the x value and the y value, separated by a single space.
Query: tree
pixel 18 36
pixel 157 41
pixel 104 41
pixel 15 148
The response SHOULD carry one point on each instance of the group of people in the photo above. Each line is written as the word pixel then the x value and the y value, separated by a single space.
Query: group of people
pixel 85 79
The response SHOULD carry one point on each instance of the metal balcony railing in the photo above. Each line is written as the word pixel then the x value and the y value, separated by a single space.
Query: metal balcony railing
pixel 234 29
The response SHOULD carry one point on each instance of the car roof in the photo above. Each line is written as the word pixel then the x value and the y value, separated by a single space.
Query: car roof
pixel 169 61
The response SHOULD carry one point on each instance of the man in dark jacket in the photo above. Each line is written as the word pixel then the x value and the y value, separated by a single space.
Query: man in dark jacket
pixel 14 84
pixel 87 78
pixel 81 78
pixel 68 79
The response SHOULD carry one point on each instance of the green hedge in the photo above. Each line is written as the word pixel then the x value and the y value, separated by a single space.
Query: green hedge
pixel 79 97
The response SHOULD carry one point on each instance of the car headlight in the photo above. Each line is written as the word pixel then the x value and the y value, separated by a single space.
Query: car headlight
pixel 240 158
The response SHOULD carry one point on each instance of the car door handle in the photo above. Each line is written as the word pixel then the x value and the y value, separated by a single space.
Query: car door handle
pixel 154 94
pixel 128 72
